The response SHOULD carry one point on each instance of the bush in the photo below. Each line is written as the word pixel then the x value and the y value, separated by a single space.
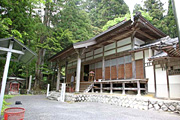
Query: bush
pixel 4 106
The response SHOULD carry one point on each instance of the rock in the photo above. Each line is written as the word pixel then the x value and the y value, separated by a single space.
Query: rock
pixel 156 107
pixel 172 108
pixel 164 108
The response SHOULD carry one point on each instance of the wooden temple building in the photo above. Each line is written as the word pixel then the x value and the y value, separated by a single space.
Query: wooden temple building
pixel 123 58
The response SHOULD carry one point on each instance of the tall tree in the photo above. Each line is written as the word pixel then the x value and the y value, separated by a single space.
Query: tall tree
pixel 111 23
pixel 155 10
pixel 76 20
pixel 169 24
pixel 101 11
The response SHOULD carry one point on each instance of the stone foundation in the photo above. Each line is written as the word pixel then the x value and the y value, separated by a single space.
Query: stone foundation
pixel 137 102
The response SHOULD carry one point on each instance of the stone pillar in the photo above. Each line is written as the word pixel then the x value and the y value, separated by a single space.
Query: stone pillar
pixel 78 73
pixel 123 88
pixel 30 80
pixel 138 87
pixel 58 79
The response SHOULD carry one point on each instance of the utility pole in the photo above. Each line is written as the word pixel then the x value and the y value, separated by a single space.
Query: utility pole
pixel 176 9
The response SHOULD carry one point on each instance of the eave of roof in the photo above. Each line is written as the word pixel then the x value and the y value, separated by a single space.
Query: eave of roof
pixel 93 41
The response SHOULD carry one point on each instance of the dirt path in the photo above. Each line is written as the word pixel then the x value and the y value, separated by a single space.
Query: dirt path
pixel 39 108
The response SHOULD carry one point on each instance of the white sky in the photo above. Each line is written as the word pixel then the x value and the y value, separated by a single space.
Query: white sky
pixel 131 3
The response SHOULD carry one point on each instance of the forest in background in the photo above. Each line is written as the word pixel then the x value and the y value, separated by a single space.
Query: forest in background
pixel 49 26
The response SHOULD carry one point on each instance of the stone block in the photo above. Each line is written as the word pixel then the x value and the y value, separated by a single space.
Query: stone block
pixel 172 108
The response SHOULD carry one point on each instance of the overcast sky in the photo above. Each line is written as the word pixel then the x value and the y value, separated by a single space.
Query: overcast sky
pixel 131 3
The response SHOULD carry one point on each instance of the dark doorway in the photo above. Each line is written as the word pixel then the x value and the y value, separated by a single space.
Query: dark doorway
pixel 86 72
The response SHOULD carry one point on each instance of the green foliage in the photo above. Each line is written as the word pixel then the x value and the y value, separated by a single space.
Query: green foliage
pixel 126 17
pixel 75 20
pixel 101 11
pixel 4 106
pixel 168 23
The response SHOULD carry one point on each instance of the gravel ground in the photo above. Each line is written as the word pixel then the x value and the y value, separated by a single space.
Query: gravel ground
pixel 39 108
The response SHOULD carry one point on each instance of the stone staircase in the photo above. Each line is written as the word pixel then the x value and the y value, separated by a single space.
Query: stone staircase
pixel 84 86
pixel 88 88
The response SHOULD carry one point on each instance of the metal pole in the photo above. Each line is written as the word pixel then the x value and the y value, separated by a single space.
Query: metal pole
pixel 176 8
pixel 6 68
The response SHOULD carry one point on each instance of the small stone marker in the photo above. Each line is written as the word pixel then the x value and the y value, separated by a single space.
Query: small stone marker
pixel 63 88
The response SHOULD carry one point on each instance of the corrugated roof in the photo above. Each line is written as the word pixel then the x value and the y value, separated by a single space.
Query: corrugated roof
pixel 25 58
pixel 159 55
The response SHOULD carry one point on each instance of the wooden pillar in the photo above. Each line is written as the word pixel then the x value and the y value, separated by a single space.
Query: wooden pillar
pixel 139 89
pixel 66 71
pixel 110 67
pixel 103 68
pixel 133 56
pixel 78 73
pixel 167 77
pixel 123 88
pixel 144 64
pixel 111 88
pixel 124 67
pixel 155 86
pixel 116 62
pixel 101 87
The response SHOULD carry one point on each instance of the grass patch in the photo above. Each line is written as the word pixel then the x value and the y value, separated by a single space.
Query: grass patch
pixel 4 106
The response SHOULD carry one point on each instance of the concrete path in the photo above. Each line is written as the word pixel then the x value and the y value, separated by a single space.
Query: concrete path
pixel 39 108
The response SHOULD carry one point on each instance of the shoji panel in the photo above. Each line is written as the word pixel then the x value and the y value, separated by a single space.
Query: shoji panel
pixel 128 70
pixel 107 73
pixel 98 73
pixel 107 69
pixel 121 71
pixel 139 69
pixel 113 69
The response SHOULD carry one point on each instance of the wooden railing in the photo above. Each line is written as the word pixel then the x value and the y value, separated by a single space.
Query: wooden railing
pixel 123 88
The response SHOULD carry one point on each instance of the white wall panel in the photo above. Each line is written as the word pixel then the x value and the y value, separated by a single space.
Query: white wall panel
pixel 89 58
pixel 150 75
pixel 99 55
pixel 89 54
pixel 109 52
pixel 174 84
pixel 99 50
pixel 138 41
pixel 124 42
pixel 110 46
pixel 161 82
pixel 128 47
pixel 139 55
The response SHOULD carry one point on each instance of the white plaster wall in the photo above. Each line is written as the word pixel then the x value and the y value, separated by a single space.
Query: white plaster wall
pixel 146 52
pixel 150 75
pixel 161 82
pixel 139 55
pixel 138 41
pixel 174 84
